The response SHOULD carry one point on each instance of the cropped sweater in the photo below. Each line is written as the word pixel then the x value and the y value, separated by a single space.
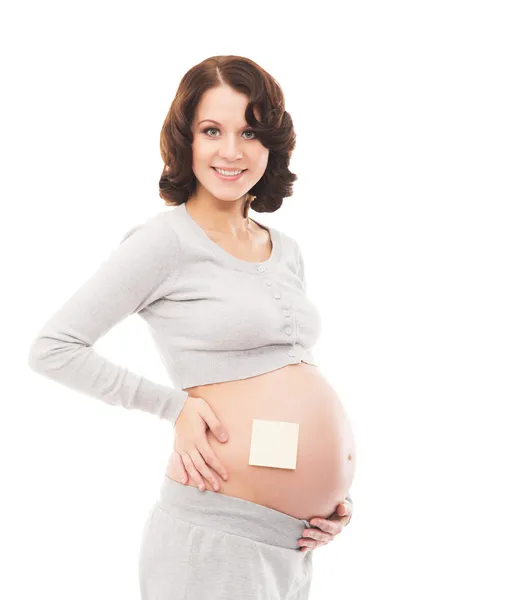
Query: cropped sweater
pixel 213 317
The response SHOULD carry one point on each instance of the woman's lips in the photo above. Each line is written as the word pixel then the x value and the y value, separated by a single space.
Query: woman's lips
pixel 228 177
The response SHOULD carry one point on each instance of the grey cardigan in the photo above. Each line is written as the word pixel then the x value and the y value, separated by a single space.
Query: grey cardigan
pixel 213 317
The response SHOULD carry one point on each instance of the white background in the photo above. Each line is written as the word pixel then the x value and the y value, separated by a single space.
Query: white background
pixel 409 211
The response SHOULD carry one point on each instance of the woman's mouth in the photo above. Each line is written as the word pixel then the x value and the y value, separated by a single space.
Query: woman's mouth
pixel 227 177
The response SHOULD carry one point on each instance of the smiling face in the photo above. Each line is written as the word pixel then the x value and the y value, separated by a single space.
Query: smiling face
pixel 226 141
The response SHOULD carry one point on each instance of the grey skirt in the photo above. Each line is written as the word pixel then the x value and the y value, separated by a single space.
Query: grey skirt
pixel 207 546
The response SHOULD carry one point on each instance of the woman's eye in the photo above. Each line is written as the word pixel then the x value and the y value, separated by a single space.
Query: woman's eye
pixel 246 131
pixel 211 129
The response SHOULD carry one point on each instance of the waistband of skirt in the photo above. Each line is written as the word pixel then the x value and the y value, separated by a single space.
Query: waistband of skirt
pixel 230 514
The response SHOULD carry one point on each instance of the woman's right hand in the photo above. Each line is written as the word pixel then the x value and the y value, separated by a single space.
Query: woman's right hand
pixel 191 443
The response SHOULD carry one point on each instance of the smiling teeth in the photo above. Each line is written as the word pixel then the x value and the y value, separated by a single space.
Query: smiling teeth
pixel 232 173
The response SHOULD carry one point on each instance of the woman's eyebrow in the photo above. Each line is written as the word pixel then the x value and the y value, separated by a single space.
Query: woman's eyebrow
pixel 217 123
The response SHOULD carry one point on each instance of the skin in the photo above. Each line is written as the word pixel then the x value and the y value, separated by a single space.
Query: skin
pixel 218 207
pixel 325 529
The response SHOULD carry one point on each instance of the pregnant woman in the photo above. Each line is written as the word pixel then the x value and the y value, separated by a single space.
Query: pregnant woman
pixel 225 300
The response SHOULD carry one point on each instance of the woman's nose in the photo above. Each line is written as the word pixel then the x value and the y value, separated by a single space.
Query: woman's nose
pixel 230 149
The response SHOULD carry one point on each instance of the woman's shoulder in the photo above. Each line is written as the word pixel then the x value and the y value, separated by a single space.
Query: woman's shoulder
pixel 289 242
pixel 152 241
pixel 157 226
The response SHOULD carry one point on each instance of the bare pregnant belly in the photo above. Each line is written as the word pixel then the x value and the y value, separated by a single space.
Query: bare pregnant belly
pixel 326 448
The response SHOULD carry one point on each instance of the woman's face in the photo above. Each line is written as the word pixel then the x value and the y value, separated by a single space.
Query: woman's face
pixel 227 143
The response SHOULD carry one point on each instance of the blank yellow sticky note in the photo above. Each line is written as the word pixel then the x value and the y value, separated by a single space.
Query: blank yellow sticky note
pixel 274 444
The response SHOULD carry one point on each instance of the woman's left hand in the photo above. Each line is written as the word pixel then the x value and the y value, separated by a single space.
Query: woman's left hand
pixel 325 530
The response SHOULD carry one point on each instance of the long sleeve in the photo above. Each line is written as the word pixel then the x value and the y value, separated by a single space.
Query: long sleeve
pixel 130 279
pixel 300 262
pixel 311 319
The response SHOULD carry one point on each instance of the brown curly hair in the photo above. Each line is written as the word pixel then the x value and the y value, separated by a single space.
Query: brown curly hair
pixel 275 130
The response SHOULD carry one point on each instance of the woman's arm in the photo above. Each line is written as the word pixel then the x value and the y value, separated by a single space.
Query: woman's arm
pixel 130 278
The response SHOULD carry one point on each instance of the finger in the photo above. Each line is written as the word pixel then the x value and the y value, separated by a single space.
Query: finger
pixel 213 422
pixel 330 526
pixel 346 515
pixel 211 458
pixel 315 534
pixel 344 509
pixel 180 469
pixel 310 545
pixel 192 471
pixel 203 468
